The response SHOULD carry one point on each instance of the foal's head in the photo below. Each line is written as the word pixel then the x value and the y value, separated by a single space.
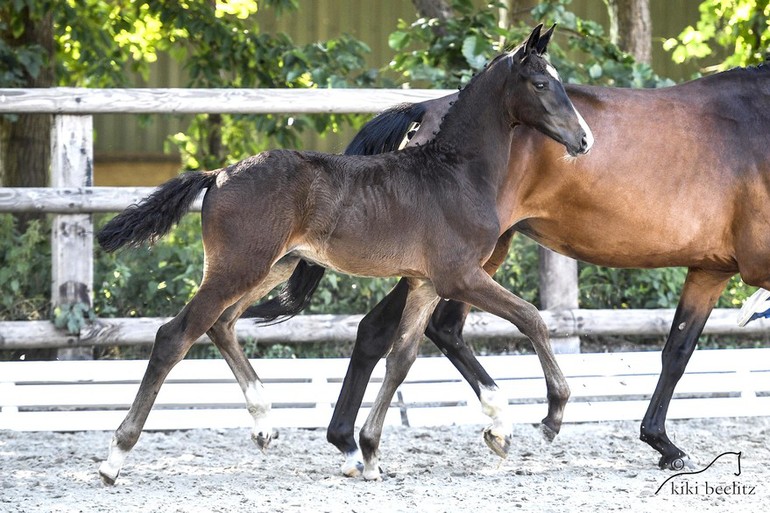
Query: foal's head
pixel 536 96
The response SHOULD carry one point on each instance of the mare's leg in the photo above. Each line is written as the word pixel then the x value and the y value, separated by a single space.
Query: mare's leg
pixel 227 279
pixel 420 302
pixel 700 293
pixel 222 333
pixel 374 338
pixel 480 290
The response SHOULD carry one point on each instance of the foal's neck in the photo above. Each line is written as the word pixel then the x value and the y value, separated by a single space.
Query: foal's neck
pixel 476 126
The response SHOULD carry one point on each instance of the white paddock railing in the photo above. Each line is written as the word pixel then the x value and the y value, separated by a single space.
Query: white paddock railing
pixel 72 199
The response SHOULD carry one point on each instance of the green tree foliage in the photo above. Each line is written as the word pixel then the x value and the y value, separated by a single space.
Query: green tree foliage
pixel 733 32
pixel 581 50
pixel 222 47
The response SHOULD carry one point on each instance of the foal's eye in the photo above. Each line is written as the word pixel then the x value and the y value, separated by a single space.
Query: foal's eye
pixel 540 85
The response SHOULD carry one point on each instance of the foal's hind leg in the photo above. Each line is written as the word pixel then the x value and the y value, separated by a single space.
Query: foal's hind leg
pixel 172 342
pixel 700 293
pixel 480 290
pixel 222 333
pixel 420 302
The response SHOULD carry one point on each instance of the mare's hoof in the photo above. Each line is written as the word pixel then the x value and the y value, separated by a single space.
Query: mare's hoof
pixel 499 445
pixel 676 464
pixel 548 433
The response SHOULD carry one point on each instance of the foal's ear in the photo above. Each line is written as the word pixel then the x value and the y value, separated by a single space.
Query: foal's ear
pixel 542 44
pixel 531 43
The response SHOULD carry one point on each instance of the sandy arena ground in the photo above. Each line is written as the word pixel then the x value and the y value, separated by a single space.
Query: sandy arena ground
pixel 589 467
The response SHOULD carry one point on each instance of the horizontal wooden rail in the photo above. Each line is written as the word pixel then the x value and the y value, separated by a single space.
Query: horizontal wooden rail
pixel 71 100
pixel 74 200
pixel 342 328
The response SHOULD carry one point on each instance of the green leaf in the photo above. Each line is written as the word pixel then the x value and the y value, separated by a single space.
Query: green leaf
pixel 398 40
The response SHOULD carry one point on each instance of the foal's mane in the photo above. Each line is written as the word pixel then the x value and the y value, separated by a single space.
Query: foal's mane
pixel 467 87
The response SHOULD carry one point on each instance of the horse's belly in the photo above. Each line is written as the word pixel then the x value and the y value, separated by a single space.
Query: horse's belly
pixel 371 262
pixel 629 246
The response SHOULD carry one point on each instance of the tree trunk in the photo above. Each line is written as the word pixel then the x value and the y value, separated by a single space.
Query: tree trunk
pixel 515 11
pixel 631 27
pixel 440 9
pixel 26 147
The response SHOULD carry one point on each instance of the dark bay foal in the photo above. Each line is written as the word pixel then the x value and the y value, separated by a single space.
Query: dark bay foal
pixel 428 213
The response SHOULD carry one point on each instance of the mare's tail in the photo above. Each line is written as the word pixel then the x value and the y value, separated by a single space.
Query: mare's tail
pixel 155 215
pixel 383 133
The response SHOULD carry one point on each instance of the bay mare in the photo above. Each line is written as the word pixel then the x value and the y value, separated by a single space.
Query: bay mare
pixel 678 176
pixel 428 213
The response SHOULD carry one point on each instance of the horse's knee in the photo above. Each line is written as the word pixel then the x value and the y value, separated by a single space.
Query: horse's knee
pixel 169 347
pixel 222 328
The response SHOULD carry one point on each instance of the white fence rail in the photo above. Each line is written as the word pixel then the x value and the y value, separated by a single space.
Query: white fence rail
pixel 95 395
pixel 72 199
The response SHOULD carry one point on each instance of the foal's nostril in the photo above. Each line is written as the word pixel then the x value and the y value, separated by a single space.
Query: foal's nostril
pixel 584 143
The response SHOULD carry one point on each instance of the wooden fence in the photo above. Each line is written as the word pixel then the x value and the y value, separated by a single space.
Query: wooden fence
pixel 95 395
pixel 72 199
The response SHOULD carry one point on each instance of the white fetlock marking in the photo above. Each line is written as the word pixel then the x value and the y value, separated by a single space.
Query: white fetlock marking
pixel 495 406
pixel 110 468
pixel 352 465
pixel 259 408
pixel 372 470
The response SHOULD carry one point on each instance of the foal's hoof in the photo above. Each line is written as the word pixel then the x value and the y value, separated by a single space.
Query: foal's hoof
pixel 373 474
pixel 108 477
pixel 263 439
pixel 676 463
pixel 498 444
pixel 548 433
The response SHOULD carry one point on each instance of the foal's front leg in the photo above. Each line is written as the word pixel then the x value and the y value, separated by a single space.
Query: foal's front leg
pixel 445 330
pixel 481 291
pixel 420 302
pixel 375 336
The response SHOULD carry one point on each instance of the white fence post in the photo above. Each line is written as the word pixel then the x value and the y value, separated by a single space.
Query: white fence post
pixel 72 272
pixel 559 291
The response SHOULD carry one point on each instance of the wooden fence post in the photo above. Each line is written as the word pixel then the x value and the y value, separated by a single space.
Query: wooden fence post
pixel 559 291
pixel 72 235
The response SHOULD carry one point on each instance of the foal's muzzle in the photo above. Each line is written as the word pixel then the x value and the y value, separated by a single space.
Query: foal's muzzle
pixel 583 147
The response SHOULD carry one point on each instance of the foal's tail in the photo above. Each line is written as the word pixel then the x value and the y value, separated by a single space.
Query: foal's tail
pixel 155 215
pixel 383 133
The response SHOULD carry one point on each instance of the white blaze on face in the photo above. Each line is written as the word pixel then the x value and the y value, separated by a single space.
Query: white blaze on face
pixel 552 71
pixel 589 135
pixel 586 129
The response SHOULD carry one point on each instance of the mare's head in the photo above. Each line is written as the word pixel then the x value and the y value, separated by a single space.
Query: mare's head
pixel 536 96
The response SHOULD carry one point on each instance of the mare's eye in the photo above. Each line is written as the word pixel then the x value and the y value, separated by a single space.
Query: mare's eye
pixel 540 85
